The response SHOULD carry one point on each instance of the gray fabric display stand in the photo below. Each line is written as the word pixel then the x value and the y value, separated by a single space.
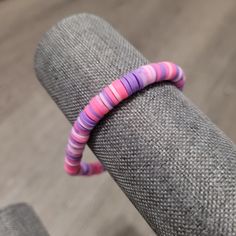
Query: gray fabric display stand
pixel 172 162
pixel 20 220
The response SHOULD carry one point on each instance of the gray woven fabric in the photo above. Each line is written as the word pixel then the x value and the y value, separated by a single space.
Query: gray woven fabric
pixel 176 167
pixel 20 220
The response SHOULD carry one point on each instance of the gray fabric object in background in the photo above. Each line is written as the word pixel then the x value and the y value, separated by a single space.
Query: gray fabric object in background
pixel 176 167
pixel 20 220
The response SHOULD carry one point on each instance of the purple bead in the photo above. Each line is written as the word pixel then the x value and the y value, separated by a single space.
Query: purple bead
pixel 105 101
pixel 133 82
pixel 85 168
pixel 139 79
pixel 72 156
pixel 80 126
pixel 84 117
pixel 163 72
pixel 76 143
pixel 80 131
pixel 126 85
pixel 107 98
pixel 94 112
pixel 177 74
pixel 73 159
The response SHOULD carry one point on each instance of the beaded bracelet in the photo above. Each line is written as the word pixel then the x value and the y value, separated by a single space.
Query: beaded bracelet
pixel 102 103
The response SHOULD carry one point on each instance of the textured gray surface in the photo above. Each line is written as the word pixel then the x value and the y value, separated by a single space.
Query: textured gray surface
pixel 176 167
pixel 20 220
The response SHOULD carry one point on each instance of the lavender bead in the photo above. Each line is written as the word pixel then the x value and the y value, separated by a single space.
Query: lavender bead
pixel 84 117
pixel 126 85
pixel 139 79
pixel 107 98
pixel 133 82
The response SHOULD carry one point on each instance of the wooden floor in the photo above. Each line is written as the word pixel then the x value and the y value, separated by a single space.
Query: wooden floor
pixel 198 35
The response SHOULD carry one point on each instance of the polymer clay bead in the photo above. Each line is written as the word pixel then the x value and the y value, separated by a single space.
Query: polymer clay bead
pixel 132 82
pixel 110 94
pixel 102 103
pixel 126 85
pixel 91 113
pixel 120 88
pixel 106 100
pixel 139 79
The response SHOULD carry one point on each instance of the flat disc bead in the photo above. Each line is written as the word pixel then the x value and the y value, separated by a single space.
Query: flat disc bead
pixel 79 130
pixel 140 83
pixel 98 106
pixel 139 78
pixel 126 85
pixel 84 124
pixel 106 101
pixel 95 168
pixel 102 106
pixel 160 71
pixel 98 168
pixel 72 170
pixel 133 82
pixel 74 150
pixel 171 70
pixel 121 90
pixel 71 155
pixel 79 137
pixel 180 84
pixel 84 168
pixel 74 161
pixel 179 74
pixel 85 118
pixel 141 73
pixel 75 144
pixel 150 74
pixel 109 93
pixel 91 113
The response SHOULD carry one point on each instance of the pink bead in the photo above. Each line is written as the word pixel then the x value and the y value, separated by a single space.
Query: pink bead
pixel 78 137
pixel 95 168
pixel 71 170
pixel 101 105
pixel 75 145
pixel 150 74
pixel 74 151
pixel 90 114
pixel 156 67
pixel 180 75
pixel 143 75
pixel 116 94
pixel 111 95
pixel 101 110
pixel 180 84
pixel 171 70
pixel 117 84
pixel 80 131
pixel 105 101
pixel 83 124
